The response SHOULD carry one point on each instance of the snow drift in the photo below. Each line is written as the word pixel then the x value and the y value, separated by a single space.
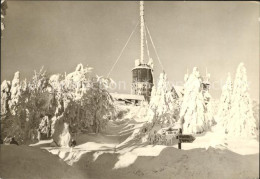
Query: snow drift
pixel 27 162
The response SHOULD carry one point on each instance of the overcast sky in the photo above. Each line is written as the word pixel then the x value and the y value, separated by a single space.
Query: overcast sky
pixel 61 34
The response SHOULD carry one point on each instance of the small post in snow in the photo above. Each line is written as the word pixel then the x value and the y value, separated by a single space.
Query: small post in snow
pixel 179 141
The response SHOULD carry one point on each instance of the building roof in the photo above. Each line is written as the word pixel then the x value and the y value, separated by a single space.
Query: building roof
pixel 179 90
pixel 142 66
pixel 127 96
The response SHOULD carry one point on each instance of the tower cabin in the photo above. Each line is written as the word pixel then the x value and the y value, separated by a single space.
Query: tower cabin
pixel 142 80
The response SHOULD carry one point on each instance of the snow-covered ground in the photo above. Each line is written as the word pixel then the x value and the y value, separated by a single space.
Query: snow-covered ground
pixel 26 162
pixel 115 154
pixel 218 140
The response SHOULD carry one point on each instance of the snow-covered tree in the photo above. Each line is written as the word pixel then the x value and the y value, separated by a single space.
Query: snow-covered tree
pixel 56 106
pixel 5 95
pixel 241 120
pixel 39 82
pixel 256 112
pixel 163 110
pixel 83 103
pixel 208 101
pixel 193 113
pixel 91 111
pixel 162 104
pixel 186 76
pixel 12 119
pixel 3 13
pixel 15 92
pixel 27 102
pixel 225 102
pixel 45 126
pixel 209 109
pixel 7 120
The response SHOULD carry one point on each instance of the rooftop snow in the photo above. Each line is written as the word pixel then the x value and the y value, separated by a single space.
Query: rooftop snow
pixel 127 96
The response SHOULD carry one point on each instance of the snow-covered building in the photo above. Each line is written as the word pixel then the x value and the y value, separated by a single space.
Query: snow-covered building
pixel 127 98
pixel 178 91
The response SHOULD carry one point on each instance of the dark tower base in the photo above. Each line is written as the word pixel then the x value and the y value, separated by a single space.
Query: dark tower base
pixel 142 81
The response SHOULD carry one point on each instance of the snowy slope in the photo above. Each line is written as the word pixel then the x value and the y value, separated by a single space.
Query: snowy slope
pixel 25 162
pixel 167 162
pixel 212 155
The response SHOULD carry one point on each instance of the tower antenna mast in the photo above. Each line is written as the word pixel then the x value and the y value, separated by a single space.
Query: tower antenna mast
pixel 142 30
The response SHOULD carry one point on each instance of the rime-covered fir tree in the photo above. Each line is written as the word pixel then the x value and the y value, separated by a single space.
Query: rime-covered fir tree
pixel 84 104
pixel 162 104
pixel 256 112
pixel 163 110
pixel 241 120
pixel 225 103
pixel 15 92
pixel 208 101
pixel 3 13
pixel 55 106
pixel 192 113
pixel 5 96
pixel 209 112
